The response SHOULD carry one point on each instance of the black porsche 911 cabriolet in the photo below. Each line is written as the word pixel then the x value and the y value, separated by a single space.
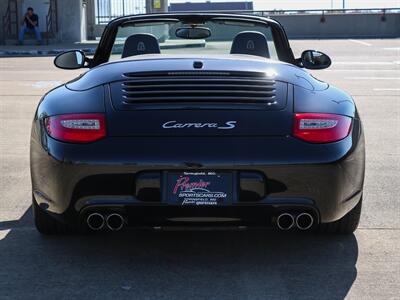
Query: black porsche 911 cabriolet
pixel 196 120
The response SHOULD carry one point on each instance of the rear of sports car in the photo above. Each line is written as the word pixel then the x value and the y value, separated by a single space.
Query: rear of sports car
pixel 235 143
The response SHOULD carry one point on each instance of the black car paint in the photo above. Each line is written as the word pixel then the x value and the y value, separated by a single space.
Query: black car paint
pixel 68 179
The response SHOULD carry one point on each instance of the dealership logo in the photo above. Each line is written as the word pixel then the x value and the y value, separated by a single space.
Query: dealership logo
pixel 184 184
pixel 176 125
pixel 196 192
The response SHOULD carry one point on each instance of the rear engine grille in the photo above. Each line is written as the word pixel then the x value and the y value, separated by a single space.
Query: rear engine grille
pixel 197 87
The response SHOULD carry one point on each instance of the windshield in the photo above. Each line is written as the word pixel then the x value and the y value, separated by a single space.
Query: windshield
pixel 256 38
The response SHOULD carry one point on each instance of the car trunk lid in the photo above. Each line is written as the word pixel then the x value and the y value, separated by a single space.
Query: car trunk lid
pixel 191 103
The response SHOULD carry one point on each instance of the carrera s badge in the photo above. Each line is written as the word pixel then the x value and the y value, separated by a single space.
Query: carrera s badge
pixel 177 125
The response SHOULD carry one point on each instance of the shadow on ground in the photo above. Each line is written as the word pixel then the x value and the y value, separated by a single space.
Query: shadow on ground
pixel 175 265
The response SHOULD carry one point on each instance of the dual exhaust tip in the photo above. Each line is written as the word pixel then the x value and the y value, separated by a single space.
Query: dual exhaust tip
pixel 97 221
pixel 302 221
pixel 116 222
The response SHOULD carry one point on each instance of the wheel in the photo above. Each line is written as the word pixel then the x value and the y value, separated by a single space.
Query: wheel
pixel 45 224
pixel 346 225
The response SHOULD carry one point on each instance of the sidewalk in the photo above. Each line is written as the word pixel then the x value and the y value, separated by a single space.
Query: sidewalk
pixel 89 47
pixel 45 50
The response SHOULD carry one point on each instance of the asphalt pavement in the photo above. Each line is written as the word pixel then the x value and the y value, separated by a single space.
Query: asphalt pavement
pixel 252 264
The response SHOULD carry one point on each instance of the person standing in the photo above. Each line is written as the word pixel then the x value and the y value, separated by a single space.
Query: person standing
pixel 30 24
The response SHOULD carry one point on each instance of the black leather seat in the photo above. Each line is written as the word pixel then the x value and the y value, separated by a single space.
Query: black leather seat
pixel 141 43
pixel 250 43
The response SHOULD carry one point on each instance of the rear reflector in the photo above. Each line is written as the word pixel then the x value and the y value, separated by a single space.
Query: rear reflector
pixel 77 128
pixel 321 128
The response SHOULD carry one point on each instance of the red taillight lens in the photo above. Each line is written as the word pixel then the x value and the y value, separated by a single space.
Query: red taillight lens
pixel 77 128
pixel 321 128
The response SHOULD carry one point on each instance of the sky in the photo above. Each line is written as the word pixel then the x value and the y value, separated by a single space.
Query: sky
pixel 311 4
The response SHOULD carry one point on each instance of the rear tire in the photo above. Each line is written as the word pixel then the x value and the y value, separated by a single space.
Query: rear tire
pixel 346 225
pixel 46 224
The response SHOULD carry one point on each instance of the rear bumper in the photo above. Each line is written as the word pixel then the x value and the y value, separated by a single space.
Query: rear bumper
pixel 264 215
pixel 69 180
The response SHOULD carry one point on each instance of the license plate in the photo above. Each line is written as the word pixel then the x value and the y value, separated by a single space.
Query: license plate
pixel 199 188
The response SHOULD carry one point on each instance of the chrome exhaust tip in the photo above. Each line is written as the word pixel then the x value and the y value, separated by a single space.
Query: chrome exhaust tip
pixel 285 221
pixel 95 221
pixel 304 221
pixel 115 222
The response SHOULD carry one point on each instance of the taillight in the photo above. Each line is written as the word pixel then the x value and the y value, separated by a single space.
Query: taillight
pixel 76 128
pixel 321 128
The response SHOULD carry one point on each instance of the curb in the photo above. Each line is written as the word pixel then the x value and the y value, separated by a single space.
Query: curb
pixel 88 51
pixel 28 53
pixel 177 46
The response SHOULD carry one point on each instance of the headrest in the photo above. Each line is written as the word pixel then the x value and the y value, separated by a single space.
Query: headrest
pixel 251 43
pixel 141 43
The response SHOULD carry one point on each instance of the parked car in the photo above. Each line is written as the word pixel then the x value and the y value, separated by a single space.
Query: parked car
pixel 191 119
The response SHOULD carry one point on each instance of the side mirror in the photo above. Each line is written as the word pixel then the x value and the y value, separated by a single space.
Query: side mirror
pixel 70 60
pixel 315 60
pixel 193 33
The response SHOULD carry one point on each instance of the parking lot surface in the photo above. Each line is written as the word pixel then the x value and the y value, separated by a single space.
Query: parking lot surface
pixel 210 264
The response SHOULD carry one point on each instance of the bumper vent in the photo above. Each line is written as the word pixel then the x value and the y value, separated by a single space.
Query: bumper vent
pixel 196 88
